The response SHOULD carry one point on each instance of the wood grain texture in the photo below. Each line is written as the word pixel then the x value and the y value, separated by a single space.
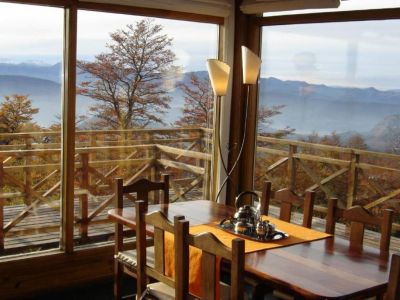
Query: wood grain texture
pixel 181 259
pixel 288 199
pixel 142 187
pixel 68 127
pixel 160 223
pixel 359 217
pixel 393 291
pixel 323 269
pixel 265 197
pixel 342 16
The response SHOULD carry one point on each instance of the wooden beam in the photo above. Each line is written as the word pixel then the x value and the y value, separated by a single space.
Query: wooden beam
pixel 181 166
pixel 68 128
pixel 276 165
pixel 150 12
pixel 328 179
pixel 253 42
pixel 56 3
pixel 383 199
pixel 339 16
pixel 236 120
pixel 126 9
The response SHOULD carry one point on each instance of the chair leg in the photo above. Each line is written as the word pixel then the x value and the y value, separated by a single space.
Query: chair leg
pixel 117 280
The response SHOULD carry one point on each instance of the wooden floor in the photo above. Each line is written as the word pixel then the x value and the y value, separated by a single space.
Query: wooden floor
pixel 27 237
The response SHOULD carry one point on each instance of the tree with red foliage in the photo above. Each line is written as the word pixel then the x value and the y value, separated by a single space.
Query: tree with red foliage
pixel 16 111
pixel 127 82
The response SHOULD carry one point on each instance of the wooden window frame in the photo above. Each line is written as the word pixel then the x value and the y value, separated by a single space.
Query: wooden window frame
pixel 250 35
pixel 71 9
pixel 33 273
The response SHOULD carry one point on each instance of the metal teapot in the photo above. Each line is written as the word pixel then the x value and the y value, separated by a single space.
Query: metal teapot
pixel 247 216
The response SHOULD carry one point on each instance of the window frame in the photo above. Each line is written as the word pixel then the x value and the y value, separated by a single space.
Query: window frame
pixel 249 155
pixel 71 9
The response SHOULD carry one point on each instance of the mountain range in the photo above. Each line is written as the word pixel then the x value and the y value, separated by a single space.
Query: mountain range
pixel 306 107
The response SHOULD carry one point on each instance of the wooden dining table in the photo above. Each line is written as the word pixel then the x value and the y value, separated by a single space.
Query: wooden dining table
pixel 319 269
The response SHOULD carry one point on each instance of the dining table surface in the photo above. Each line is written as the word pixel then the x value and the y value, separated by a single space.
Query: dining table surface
pixel 320 269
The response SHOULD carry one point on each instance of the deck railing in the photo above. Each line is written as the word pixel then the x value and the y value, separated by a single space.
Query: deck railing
pixel 30 173
pixel 354 176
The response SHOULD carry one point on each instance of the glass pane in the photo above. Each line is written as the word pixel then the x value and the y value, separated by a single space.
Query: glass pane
pixel 335 85
pixel 31 51
pixel 344 6
pixel 144 108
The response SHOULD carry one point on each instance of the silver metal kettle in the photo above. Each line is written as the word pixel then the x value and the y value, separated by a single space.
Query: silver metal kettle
pixel 246 216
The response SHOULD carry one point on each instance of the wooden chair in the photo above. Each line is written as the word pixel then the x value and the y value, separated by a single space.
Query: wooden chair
pixel 211 247
pixel 393 290
pixel 166 287
pixel 359 217
pixel 289 200
pixel 125 260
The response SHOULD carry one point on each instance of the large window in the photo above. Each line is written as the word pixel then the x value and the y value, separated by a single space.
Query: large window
pixel 144 108
pixel 31 49
pixel 329 111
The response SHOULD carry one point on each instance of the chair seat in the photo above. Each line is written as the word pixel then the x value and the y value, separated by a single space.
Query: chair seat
pixel 161 291
pixel 129 257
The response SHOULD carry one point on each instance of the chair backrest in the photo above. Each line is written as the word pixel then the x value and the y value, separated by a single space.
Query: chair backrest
pixel 142 188
pixel 288 199
pixel 359 217
pixel 211 248
pixel 161 225
pixel 393 290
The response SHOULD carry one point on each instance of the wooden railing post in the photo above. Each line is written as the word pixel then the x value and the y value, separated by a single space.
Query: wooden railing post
pixel 199 162
pixel 28 173
pixel 1 206
pixel 155 172
pixel 83 197
pixel 291 170
pixel 149 151
pixel 92 155
pixel 352 181
pixel 207 180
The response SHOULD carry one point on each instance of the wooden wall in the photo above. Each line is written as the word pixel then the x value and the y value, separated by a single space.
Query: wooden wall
pixel 55 270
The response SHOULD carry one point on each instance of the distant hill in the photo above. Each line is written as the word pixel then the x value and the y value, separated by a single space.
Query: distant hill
pixel 48 72
pixel 45 95
pixel 28 85
pixel 310 107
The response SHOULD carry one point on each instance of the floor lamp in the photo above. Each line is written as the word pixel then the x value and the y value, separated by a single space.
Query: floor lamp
pixel 218 72
pixel 251 68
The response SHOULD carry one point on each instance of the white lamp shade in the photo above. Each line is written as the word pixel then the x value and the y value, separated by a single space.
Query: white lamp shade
pixel 219 76
pixel 251 66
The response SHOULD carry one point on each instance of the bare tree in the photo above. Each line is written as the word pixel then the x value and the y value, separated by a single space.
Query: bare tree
pixel 127 82
pixel 198 107
pixel 199 99
pixel 357 141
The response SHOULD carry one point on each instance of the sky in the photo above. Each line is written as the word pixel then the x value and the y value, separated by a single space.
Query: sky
pixel 34 34
pixel 357 54
pixel 361 54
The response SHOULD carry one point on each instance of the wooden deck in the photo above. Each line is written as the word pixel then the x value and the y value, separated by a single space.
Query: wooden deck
pixel 41 229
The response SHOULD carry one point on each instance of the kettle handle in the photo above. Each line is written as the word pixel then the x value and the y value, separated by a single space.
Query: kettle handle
pixel 238 197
